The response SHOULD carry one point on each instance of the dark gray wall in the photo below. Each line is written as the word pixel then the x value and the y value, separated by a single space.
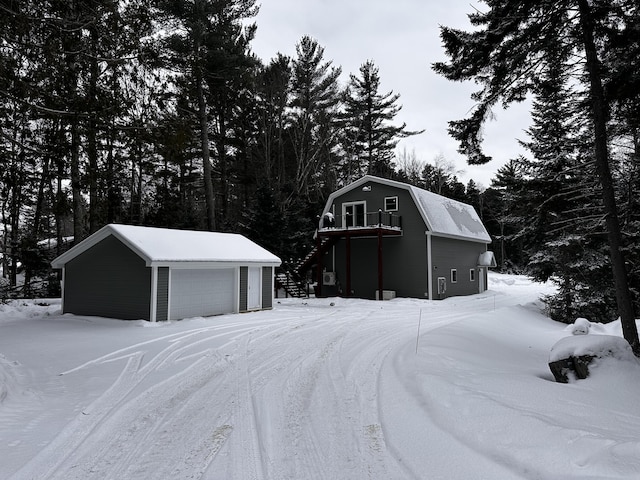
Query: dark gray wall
pixel 449 253
pixel 244 288
pixel 108 280
pixel 162 302
pixel 267 287
pixel 405 257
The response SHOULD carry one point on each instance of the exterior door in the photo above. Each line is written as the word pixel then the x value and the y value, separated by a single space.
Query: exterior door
pixel 253 288
pixel 354 214
pixel 481 285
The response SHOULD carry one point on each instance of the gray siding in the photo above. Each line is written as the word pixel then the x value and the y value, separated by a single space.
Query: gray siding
pixel 108 280
pixel 267 287
pixel 244 288
pixel 405 257
pixel 463 256
pixel 162 303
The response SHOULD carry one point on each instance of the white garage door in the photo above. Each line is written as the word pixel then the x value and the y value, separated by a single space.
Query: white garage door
pixel 197 293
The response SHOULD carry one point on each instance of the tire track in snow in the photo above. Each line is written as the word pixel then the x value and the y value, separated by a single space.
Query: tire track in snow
pixel 319 416
pixel 250 467
pixel 82 445
pixel 78 432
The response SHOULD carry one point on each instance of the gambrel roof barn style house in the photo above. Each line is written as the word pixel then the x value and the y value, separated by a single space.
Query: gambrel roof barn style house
pixel 380 238
pixel 131 272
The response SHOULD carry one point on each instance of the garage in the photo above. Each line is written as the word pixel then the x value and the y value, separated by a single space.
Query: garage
pixel 132 272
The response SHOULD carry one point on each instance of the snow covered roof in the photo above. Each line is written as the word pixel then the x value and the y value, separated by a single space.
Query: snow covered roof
pixel 443 216
pixel 163 245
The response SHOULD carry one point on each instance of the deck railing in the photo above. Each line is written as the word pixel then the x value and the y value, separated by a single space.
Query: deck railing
pixel 363 220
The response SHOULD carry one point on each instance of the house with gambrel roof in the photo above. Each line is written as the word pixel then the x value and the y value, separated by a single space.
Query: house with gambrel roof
pixel 380 238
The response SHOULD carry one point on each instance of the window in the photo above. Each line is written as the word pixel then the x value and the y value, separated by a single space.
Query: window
pixel 454 275
pixel 354 214
pixel 390 204
pixel 472 275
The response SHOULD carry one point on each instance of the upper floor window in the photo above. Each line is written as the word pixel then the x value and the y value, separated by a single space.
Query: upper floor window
pixel 390 204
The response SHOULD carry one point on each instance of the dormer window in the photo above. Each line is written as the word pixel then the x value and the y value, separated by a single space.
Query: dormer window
pixel 390 204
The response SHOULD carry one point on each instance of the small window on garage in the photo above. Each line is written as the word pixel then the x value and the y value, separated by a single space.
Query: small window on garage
pixel 472 275
pixel 454 275
pixel 390 204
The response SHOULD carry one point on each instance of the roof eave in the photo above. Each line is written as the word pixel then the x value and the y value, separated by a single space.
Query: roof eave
pixel 94 239
pixel 485 241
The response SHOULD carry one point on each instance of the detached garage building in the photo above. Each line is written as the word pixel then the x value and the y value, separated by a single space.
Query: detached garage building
pixel 155 274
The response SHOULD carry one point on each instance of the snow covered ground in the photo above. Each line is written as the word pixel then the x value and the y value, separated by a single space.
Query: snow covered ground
pixel 314 389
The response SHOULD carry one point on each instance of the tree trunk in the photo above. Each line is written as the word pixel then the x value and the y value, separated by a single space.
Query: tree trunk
pixel 78 228
pixel 222 159
pixel 599 108
pixel 92 145
pixel 204 146
pixel 34 237
pixel 206 158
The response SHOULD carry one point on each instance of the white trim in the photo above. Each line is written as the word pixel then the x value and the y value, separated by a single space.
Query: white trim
pixel 64 270
pixel 453 273
pixel 236 289
pixel 185 265
pixel 472 274
pixel 353 204
pixel 256 271
pixel 273 284
pixel 154 294
pixel 429 267
pixel 393 197
pixel 459 237
pixel 169 294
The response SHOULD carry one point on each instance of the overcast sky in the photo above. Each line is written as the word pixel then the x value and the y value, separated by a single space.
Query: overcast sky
pixel 402 39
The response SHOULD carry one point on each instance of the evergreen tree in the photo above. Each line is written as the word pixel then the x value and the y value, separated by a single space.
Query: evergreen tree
pixel 370 139
pixel 505 54
pixel 560 235
pixel 197 47
pixel 273 148
pixel 312 125
pixel 507 216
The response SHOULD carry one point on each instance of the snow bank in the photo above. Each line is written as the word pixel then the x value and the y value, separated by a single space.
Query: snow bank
pixel 317 388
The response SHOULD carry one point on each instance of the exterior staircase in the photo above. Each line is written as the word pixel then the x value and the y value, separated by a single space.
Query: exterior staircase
pixel 293 279
pixel 289 283
pixel 305 264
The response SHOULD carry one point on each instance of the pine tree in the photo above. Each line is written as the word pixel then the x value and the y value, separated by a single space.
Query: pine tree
pixel 197 48
pixel 312 125
pixel 506 212
pixel 561 233
pixel 505 54
pixel 369 137
pixel 273 148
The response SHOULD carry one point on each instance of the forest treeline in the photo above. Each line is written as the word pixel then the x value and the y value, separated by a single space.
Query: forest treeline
pixel 158 113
